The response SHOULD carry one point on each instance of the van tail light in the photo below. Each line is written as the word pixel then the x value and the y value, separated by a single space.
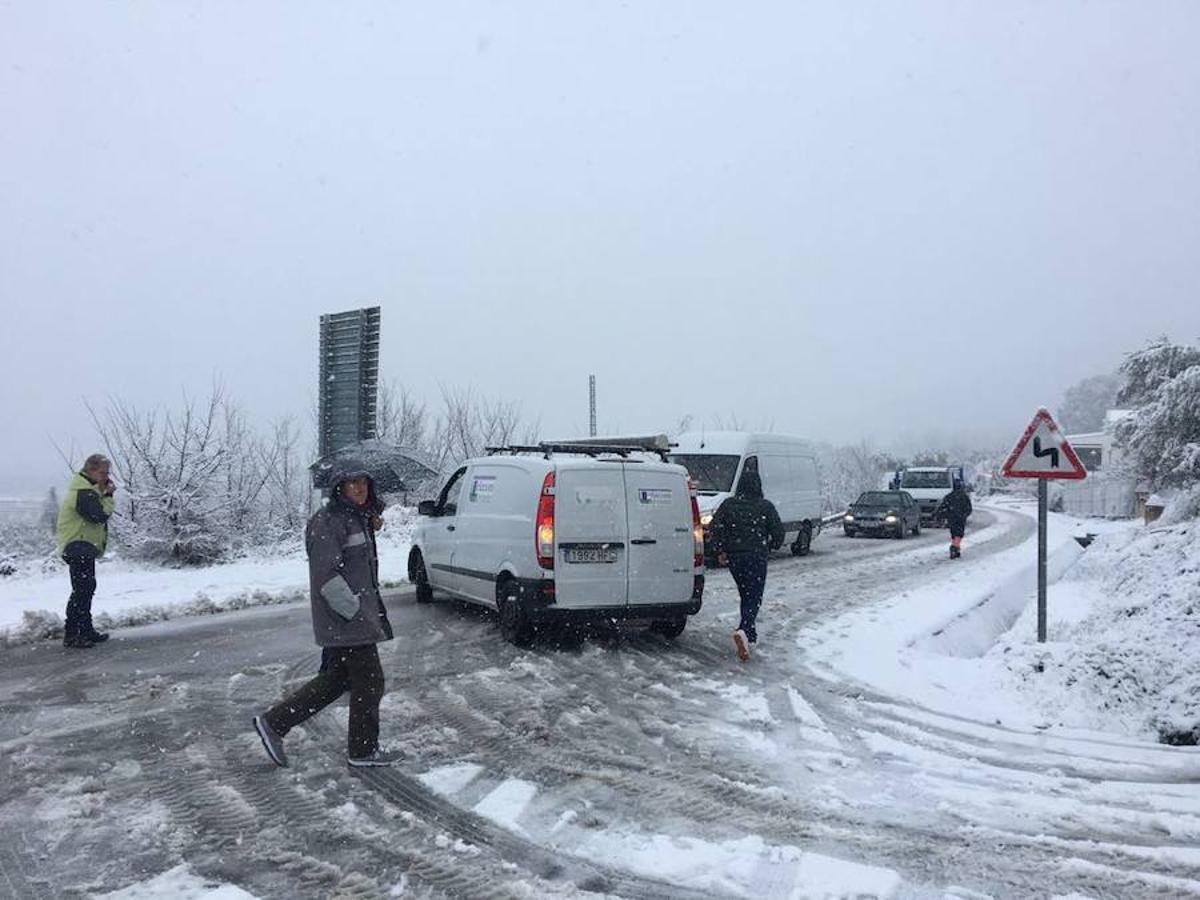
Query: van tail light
pixel 697 529
pixel 543 535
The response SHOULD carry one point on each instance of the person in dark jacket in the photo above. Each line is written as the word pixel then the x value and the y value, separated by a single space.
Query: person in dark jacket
pixel 955 508
pixel 745 529
pixel 349 619
pixel 82 538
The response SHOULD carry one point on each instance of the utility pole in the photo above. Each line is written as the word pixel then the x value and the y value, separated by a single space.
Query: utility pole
pixel 592 405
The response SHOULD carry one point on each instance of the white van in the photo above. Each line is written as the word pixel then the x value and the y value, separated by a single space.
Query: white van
pixel 564 533
pixel 929 486
pixel 787 466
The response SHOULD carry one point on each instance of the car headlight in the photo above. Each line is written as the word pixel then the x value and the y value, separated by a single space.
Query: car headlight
pixel 706 519
pixel 849 517
pixel 890 519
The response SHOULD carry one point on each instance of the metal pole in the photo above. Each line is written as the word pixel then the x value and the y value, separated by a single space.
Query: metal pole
pixel 592 404
pixel 1042 560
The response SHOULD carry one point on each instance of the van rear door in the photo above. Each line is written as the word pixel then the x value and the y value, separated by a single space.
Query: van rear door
pixel 591 563
pixel 661 543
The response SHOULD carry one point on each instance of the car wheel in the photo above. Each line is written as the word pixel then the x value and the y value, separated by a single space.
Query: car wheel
pixel 420 579
pixel 803 541
pixel 917 528
pixel 850 532
pixel 901 531
pixel 515 626
pixel 669 628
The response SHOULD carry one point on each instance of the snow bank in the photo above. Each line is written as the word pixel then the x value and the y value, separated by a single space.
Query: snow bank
pixel 936 644
pixel 924 643
pixel 1125 630
pixel 130 593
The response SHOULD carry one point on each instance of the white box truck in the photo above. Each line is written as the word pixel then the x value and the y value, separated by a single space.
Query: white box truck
pixel 787 466
pixel 929 485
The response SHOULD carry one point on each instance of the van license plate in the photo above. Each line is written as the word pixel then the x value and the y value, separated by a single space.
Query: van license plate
pixel 591 554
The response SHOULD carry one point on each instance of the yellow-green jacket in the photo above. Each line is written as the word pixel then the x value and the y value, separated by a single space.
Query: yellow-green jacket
pixel 83 515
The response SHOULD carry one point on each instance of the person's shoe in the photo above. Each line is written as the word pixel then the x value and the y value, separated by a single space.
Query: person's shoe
pixel 377 760
pixel 741 644
pixel 272 742
pixel 955 553
pixel 79 642
pixel 98 637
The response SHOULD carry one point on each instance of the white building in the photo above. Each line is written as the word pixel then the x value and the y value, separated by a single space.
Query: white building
pixel 1104 493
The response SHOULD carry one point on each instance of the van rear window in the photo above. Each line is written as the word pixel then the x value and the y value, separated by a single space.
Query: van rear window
pixel 712 472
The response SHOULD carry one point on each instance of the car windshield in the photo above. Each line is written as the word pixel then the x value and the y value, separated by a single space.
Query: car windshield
pixel 713 473
pixel 879 498
pixel 925 480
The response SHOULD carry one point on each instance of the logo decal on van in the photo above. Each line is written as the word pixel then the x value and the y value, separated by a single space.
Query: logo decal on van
pixel 483 488
pixel 601 496
pixel 654 496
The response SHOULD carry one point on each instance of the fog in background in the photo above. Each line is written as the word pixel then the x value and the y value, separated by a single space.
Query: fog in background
pixel 891 221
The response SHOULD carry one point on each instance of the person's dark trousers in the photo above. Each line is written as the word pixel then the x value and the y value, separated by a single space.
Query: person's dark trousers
pixel 749 572
pixel 356 669
pixel 83 587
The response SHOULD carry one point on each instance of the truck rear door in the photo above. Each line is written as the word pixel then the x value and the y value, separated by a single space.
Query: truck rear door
pixel 661 544
pixel 591 563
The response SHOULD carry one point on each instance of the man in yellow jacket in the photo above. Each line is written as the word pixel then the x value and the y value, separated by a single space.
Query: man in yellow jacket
pixel 82 537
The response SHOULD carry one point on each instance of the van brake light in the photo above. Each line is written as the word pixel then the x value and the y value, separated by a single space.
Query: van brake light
pixel 697 529
pixel 543 535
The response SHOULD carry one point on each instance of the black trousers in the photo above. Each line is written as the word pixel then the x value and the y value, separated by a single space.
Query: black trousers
pixel 83 588
pixel 356 669
pixel 749 572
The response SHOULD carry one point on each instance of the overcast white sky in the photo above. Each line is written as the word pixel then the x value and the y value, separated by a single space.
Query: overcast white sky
pixel 876 220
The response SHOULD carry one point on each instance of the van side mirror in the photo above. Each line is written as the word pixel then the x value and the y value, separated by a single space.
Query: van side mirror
pixel 427 508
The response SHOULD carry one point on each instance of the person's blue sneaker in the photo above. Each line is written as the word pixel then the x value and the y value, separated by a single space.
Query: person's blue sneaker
pixel 272 742
pixel 377 760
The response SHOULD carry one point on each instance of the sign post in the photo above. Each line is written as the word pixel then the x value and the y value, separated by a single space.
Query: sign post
pixel 1043 453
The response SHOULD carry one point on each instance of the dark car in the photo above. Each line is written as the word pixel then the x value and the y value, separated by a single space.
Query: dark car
pixel 894 513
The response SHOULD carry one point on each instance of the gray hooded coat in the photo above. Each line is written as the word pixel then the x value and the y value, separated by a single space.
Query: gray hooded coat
pixel 343 569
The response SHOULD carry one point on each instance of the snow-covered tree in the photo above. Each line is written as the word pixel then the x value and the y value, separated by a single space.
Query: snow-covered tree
pixel 1086 402
pixel 846 471
pixel 1161 437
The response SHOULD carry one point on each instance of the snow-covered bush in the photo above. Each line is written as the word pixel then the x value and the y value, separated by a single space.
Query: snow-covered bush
pixel 197 484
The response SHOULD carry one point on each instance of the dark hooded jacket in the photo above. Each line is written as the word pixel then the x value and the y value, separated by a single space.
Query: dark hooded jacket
pixel 343 568
pixel 747 522
pixel 955 508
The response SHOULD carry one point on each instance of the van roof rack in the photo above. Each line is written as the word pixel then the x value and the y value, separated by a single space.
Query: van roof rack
pixel 585 448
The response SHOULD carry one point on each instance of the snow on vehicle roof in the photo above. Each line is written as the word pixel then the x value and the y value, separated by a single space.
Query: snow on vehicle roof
pixel 733 442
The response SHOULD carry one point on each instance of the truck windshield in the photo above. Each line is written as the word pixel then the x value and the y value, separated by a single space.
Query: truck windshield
pixel 712 473
pixel 925 480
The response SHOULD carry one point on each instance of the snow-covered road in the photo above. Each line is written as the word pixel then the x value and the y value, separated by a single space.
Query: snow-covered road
pixel 623 765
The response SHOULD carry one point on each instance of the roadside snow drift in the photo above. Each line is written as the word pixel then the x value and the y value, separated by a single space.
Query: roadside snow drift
pixel 1125 634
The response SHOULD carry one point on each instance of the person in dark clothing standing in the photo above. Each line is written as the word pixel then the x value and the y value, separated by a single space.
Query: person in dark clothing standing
pixel 745 529
pixel 82 538
pixel 349 619
pixel 955 508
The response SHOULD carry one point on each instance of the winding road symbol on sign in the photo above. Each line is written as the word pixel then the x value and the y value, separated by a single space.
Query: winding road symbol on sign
pixel 1051 452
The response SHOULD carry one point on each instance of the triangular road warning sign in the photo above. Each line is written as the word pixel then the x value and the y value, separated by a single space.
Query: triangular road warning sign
pixel 1043 452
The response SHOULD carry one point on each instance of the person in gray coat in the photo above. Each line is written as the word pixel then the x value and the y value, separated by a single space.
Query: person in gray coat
pixel 348 618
